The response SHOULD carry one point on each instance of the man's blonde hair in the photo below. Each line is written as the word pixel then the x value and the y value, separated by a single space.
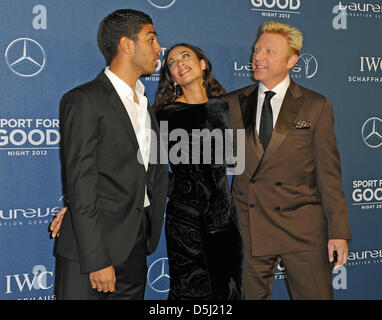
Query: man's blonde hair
pixel 292 34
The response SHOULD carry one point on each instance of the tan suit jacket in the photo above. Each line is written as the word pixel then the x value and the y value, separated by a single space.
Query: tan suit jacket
pixel 290 198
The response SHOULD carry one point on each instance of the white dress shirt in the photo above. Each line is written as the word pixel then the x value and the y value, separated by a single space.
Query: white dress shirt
pixel 139 116
pixel 276 101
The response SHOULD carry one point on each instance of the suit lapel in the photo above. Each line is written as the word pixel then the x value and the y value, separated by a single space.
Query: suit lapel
pixel 291 105
pixel 155 139
pixel 253 148
pixel 119 108
pixel 123 116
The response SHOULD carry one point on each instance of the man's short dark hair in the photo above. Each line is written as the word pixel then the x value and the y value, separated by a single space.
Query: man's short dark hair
pixel 120 23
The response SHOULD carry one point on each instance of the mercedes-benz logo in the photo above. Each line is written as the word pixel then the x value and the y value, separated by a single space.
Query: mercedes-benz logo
pixel 162 4
pixel 25 57
pixel 158 277
pixel 307 63
pixel 372 132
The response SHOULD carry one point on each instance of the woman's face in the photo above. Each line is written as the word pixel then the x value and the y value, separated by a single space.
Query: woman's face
pixel 185 67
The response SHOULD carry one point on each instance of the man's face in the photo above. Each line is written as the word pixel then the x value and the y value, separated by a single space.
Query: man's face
pixel 271 59
pixel 146 50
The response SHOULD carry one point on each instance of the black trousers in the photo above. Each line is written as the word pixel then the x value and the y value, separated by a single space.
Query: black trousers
pixel 131 275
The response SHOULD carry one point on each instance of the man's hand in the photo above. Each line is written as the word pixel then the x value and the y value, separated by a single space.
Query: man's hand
pixel 55 225
pixel 341 247
pixel 103 280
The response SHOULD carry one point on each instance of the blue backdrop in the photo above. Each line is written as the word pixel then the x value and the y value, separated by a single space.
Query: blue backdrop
pixel 49 47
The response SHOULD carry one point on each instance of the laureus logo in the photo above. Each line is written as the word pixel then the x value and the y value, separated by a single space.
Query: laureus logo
pixel 306 66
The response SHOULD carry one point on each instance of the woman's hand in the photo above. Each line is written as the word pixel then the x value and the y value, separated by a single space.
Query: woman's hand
pixel 55 225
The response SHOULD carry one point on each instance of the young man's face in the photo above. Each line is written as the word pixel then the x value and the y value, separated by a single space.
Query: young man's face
pixel 146 50
pixel 271 59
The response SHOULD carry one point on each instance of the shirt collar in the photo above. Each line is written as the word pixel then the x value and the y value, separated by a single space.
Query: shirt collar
pixel 280 89
pixel 122 88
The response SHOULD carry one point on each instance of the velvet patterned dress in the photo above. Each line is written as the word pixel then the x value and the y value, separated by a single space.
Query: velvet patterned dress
pixel 204 244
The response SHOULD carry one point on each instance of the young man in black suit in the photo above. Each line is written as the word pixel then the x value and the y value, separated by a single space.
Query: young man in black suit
pixel 116 198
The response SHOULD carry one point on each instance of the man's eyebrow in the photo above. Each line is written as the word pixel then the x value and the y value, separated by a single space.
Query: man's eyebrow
pixel 153 32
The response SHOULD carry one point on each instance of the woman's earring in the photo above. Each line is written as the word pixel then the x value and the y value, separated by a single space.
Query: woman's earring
pixel 178 90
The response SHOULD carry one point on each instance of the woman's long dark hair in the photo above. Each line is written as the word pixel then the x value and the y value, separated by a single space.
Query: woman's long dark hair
pixel 168 93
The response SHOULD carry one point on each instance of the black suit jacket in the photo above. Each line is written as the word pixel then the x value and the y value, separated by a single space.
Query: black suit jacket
pixel 103 179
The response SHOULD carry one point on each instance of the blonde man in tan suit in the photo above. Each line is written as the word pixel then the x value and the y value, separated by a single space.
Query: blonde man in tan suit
pixel 290 198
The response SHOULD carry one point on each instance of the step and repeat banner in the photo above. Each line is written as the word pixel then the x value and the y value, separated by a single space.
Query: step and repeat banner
pixel 49 47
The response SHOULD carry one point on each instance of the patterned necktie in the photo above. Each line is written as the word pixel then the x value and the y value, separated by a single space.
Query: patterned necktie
pixel 266 121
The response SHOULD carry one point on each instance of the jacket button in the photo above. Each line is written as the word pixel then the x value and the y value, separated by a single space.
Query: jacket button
pixel 251 205
pixel 278 183
pixel 252 181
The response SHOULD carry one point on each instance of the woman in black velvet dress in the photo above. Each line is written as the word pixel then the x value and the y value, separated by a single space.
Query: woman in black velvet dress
pixel 204 244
